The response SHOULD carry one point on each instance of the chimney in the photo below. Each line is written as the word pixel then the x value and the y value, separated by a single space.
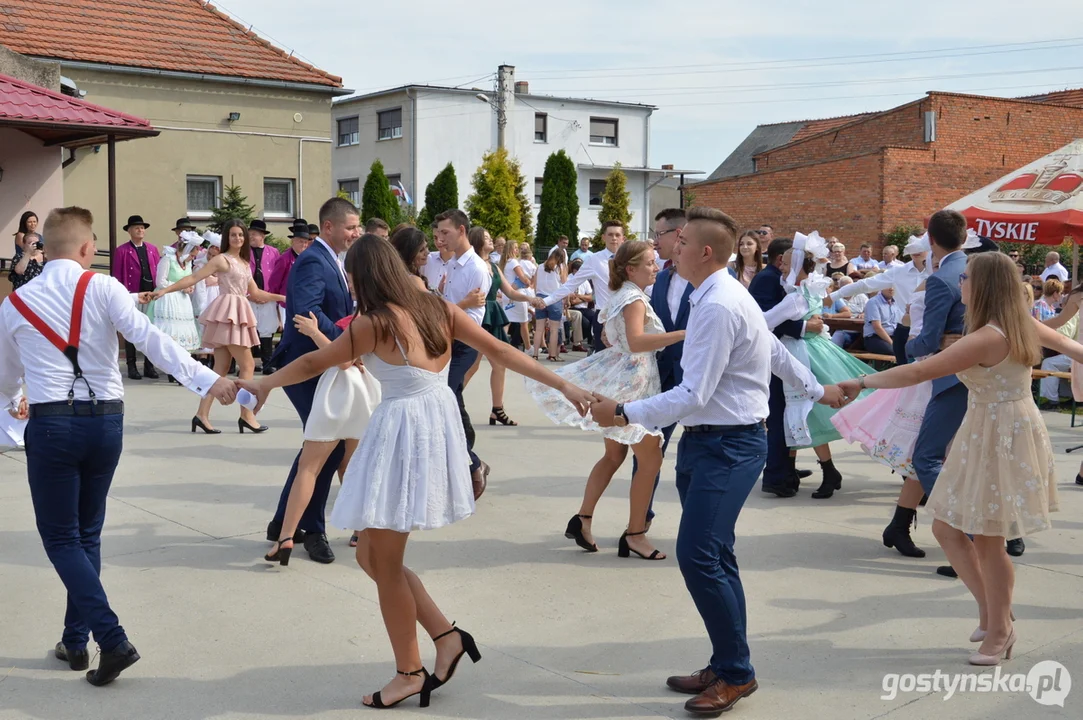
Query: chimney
pixel 522 88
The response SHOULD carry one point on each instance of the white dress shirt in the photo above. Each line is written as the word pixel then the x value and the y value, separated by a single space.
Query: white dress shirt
pixel 435 269
pixel 108 309
pixel 595 269
pixel 728 359
pixel 893 263
pixel 337 258
pixel 584 289
pixel 904 278
pixel 861 263
pixel 677 285
pixel 1055 270
pixel 466 274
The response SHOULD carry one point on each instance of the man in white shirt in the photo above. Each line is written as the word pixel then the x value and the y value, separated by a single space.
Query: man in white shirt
pixel 436 267
pixel 891 257
pixel 584 250
pixel 865 261
pixel 905 280
pixel 467 274
pixel 1053 268
pixel 595 270
pixel 722 401
pixel 562 244
pixel 59 332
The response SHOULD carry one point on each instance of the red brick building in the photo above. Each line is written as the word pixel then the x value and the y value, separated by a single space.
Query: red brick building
pixel 862 176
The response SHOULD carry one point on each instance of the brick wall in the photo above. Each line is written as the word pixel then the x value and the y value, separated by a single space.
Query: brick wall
pixel 840 198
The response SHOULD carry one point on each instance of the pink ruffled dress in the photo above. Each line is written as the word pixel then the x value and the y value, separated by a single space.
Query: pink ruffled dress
pixel 228 319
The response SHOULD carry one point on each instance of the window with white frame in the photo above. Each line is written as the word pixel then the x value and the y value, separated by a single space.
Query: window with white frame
pixel 596 190
pixel 541 127
pixel 204 195
pixel 390 124
pixel 351 188
pixel 537 190
pixel 278 198
pixel 347 131
pixel 603 131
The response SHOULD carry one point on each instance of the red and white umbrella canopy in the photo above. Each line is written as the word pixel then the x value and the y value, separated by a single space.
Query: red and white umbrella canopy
pixel 1039 203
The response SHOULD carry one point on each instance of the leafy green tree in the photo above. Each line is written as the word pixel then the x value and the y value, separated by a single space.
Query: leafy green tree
pixel 615 201
pixel 234 204
pixel 559 214
pixel 526 204
pixel 493 203
pixel 377 200
pixel 440 195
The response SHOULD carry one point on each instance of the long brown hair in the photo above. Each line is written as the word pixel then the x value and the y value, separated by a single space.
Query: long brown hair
pixel 246 248
pixel 382 283
pixel 630 254
pixel 511 252
pixel 409 241
pixel 754 234
pixel 555 260
pixel 476 236
pixel 996 300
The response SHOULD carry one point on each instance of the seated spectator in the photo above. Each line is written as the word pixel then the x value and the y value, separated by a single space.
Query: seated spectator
pixel 1049 303
pixel 882 314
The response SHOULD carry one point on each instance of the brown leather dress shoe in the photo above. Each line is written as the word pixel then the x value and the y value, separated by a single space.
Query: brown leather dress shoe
pixel 719 697
pixel 692 684
pixel 480 480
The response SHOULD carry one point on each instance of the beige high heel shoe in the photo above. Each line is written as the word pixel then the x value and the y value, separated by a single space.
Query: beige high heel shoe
pixel 979 635
pixel 1006 650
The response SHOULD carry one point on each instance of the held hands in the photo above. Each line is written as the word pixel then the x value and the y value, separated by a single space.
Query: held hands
pixel 835 397
pixel 146 297
pixel 850 388
pixel 22 412
pixel 814 325
pixel 604 411
pixel 224 391
pixel 538 304
pixel 255 387
pixel 307 326
pixel 579 397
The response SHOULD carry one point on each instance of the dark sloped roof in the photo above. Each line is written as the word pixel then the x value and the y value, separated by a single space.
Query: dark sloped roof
pixel 764 137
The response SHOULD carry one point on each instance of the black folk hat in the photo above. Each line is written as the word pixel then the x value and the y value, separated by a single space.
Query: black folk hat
pixel 300 231
pixel 136 220
pixel 184 223
pixel 259 226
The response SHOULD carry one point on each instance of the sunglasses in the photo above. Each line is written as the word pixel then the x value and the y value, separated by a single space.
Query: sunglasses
pixel 761 232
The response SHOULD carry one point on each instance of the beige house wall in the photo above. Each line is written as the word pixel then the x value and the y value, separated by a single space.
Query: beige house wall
pixel 282 133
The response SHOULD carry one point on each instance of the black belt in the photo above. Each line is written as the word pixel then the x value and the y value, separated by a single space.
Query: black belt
pixel 721 428
pixel 79 408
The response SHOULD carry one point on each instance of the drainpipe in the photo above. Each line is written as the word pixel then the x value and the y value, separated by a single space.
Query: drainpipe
pixel 411 94
pixel 647 164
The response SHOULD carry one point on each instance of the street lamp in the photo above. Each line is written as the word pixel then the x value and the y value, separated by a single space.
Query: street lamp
pixel 501 116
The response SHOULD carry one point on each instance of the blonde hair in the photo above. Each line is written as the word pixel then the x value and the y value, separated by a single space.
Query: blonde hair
pixel 992 302
pixel 67 228
pixel 630 254
pixel 1052 287
pixel 1028 294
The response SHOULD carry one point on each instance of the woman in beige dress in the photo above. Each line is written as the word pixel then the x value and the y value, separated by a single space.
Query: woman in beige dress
pixel 998 481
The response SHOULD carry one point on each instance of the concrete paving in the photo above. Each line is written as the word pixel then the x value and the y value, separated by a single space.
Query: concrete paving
pixel 564 634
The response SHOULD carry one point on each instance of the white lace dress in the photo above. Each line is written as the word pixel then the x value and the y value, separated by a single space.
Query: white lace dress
pixel 615 372
pixel 411 470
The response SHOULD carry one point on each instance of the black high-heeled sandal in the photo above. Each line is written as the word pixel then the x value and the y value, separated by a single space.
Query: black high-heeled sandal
pixel 281 554
pixel 242 426
pixel 499 416
pixel 624 550
pixel 469 648
pixel 575 532
pixel 197 423
pixel 424 692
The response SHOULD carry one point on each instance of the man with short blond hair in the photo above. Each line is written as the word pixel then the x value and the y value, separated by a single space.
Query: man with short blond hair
pixel 59 332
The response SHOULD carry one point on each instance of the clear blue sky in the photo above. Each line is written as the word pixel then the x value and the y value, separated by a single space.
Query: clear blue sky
pixel 714 68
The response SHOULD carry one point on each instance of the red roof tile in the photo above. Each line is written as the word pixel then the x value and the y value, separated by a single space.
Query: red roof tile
pixel 22 102
pixel 177 35
pixel 815 127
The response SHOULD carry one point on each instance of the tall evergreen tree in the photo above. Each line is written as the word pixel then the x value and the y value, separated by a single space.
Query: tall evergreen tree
pixel 526 204
pixel 493 203
pixel 234 204
pixel 440 195
pixel 377 200
pixel 615 201
pixel 559 214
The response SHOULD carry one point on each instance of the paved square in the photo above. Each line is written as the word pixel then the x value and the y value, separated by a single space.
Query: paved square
pixel 564 634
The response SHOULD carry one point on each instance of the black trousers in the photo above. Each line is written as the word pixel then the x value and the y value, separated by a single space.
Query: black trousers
pixel 898 342
pixel 462 359
pixel 129 355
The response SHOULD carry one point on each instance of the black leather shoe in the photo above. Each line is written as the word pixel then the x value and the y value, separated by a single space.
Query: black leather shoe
pixel 782 492
pixel 1016 547
pixel 111 664
pixel 947 571
pixel 804 474
pixel 76 659
pixel 318 548
pixel 150 373
pixel 274 532
pixel 133 373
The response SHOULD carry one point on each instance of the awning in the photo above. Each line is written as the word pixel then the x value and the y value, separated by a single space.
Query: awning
pixel 59 120
pixel 1039 203
pixel 627 169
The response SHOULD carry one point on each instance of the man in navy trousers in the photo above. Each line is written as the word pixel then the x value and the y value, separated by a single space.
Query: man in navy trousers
pixel 317 285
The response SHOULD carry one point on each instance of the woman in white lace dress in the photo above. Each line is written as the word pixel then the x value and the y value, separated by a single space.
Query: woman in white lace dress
pixel 625 371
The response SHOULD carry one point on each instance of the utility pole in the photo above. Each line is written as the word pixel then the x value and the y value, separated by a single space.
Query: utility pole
pixel 505 82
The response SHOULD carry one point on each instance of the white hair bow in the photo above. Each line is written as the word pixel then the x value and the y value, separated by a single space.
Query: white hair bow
pixel 814 245
pixel 917 244
pixel 972 240
pixel 213 238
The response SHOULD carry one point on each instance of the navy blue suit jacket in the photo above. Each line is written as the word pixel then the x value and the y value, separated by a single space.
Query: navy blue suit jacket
pixel 669 358
pixel 944 312
pixel 316 286
pixel 766 289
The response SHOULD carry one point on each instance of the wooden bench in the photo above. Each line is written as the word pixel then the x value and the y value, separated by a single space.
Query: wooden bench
pixel 878 361
pixel 1037 375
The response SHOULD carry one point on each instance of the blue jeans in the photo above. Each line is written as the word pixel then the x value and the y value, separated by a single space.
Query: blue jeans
pixel 715 474
pixel 313 520
pixel 943 416
pixel 70 463
pixel 462 359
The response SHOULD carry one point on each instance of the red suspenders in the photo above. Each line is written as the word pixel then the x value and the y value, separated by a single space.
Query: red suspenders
pixel 70 349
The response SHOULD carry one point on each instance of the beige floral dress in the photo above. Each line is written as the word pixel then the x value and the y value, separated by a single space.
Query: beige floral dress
pixel 999 477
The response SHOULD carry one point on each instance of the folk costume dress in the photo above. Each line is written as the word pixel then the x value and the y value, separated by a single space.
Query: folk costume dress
pixel 615 372
pixel 173 313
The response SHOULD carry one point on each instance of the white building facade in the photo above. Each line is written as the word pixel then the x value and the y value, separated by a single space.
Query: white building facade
pixel 416 130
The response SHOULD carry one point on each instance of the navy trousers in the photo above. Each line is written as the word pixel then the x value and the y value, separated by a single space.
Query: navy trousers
pixel 898 342
pixel 313 520
pixel 778 472
pixel 462 359
pixel 943 416
pixel 70 463
pixel 596 329
pixel 876 344
pixel 715 474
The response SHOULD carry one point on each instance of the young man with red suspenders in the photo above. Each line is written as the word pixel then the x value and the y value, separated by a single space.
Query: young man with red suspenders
pixel 59 332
